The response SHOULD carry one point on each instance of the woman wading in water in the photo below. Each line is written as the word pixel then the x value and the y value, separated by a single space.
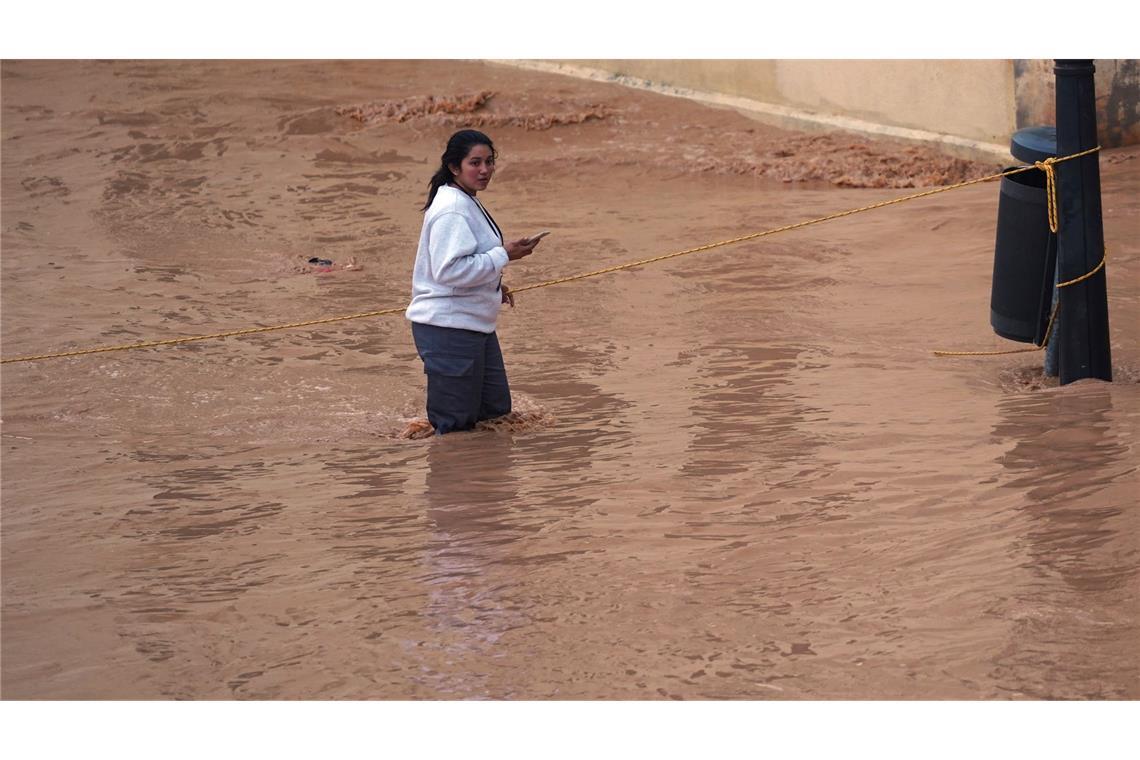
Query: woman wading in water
pixel 457 291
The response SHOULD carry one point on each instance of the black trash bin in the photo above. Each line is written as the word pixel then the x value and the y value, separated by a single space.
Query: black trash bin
pixel 1025 253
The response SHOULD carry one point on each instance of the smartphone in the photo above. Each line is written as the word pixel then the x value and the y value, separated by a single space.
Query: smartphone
pixel 539 236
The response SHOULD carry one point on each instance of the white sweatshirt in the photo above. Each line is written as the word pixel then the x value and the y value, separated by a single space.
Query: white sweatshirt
pixel 455 282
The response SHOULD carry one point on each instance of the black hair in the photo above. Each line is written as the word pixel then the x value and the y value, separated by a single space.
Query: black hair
pixel 457 149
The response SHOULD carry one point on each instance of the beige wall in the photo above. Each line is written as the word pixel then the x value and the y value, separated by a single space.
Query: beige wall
pixel 971 99
pixel 968 101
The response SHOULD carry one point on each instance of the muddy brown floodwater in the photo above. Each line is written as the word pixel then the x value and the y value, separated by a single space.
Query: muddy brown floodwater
pixel 738 474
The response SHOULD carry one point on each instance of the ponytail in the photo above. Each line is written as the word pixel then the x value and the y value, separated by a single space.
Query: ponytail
pixel 457 149
pixel 438 180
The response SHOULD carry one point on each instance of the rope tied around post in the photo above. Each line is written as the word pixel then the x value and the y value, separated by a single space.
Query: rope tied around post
pixel 1048 329
pixel 1046 166
pixel 1050 190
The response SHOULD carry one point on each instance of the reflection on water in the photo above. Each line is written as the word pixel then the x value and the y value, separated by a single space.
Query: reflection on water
pixel 751 529
pixel 746 413
pixel 1071 454
pixel 469 507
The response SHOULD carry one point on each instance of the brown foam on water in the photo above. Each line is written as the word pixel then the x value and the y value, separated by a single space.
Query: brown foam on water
pixel 466 110
pixel 1033 378
pixel 418 107
pixel 417 429
pixel 1026 379
pixel 840 159
pixel 515 422
pixel 518 422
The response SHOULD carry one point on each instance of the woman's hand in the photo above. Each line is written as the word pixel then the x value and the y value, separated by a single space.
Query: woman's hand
pixel 516 249
pixel 508 297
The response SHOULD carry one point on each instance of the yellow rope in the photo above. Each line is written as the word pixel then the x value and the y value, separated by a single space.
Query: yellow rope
pixel 1084 277
pixel 572 278
pixel 1050 190
pixel 807 223
pixel 1048 328
pixel 176 341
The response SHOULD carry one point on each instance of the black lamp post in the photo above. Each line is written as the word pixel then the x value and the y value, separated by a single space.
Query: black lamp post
pixel 1082 322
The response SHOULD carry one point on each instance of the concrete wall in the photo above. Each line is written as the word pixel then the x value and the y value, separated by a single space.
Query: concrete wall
pixel 927 95
pixel 1117 98
pixel 969 106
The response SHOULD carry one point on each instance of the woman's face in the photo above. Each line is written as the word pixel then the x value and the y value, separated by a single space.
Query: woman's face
pixel 475 171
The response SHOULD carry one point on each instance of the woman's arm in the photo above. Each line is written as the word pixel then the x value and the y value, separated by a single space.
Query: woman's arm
pixel 455 259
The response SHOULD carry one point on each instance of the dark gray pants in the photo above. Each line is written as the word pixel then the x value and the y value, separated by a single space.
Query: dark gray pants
pixel 466 378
